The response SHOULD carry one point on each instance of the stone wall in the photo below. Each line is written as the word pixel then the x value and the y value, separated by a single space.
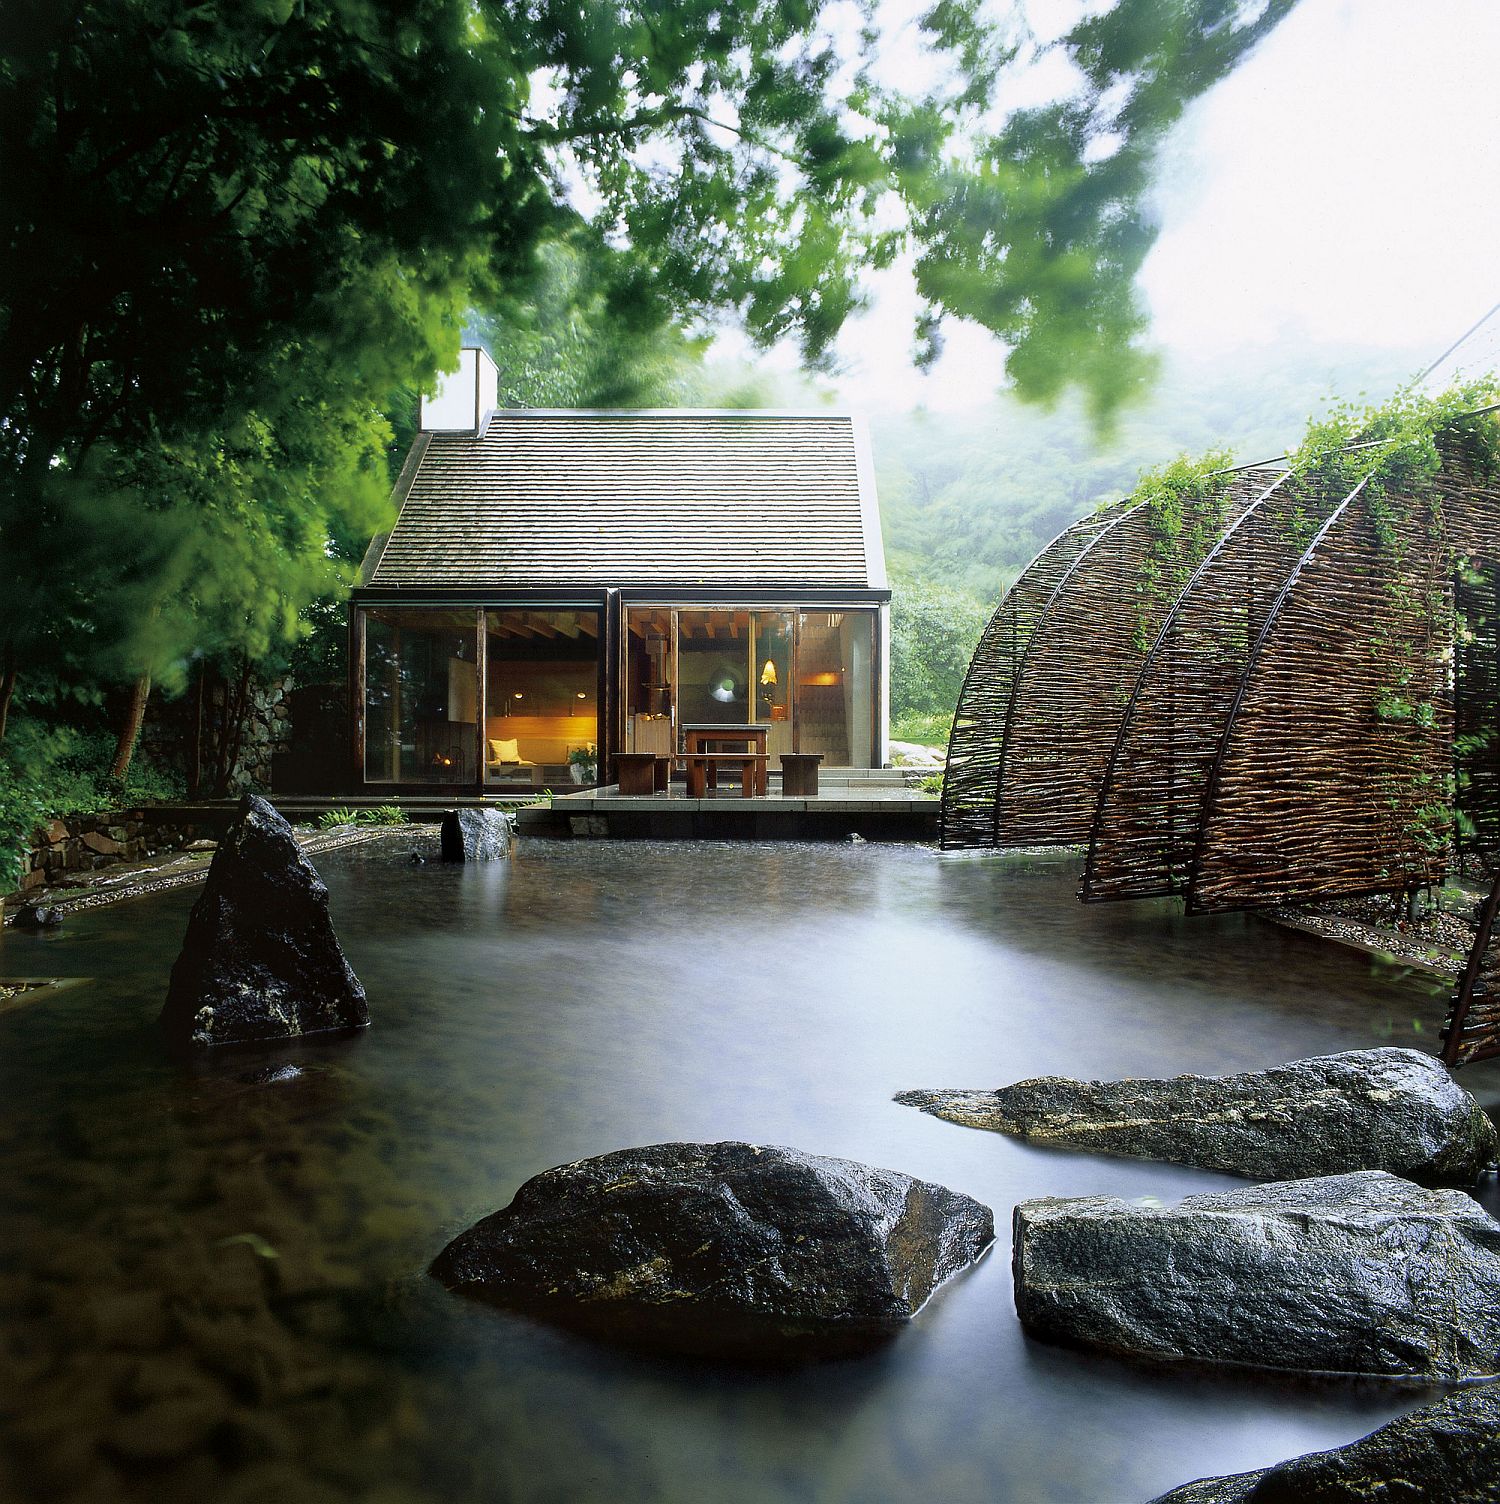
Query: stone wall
pixel 63 850
pixel 268 734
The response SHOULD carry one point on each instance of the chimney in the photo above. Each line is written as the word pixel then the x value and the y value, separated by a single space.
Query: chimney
pixel 463 398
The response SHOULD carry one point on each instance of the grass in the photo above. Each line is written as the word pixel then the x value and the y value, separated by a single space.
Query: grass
pixel 926 728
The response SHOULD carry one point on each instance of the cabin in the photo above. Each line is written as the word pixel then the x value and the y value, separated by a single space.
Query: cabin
pixel 560 586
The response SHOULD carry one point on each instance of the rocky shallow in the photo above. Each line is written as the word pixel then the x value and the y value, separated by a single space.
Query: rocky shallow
pixel 260 960
pixel 1363 1274
pixel 1448 1453
pixel 727 1250
pixel 1388 1109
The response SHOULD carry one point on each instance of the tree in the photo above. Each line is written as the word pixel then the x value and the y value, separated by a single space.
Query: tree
pixel 933 633
pixel 207 211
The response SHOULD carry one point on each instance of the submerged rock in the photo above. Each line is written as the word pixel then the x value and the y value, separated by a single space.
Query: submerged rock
pixel 1448 1453
pixel 1395 1110
pixel 35 916
pixel 726 1250
pixel 477 835
pixel 260 960
pixel 1352 1274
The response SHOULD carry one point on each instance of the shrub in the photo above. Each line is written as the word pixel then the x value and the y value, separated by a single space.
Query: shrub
pixel 382 814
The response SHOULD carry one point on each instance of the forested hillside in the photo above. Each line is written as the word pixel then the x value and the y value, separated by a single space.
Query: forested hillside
pixel 968 498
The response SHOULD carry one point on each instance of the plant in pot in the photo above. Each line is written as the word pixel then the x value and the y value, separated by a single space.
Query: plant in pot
pixel 583 764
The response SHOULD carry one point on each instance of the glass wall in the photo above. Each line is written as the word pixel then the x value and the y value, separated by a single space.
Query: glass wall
pixel 541 697
pixel 835 701
pixel 735 666
pixel 809 676
pixel 649 676
pixel 421 696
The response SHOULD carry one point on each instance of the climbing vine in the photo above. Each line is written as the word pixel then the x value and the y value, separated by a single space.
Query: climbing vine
pixel 1395 454
pixel 1185 513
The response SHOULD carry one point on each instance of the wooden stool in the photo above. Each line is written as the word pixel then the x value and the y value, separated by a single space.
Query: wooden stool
pixel 636 772
pixel 799 772
pixel 662 774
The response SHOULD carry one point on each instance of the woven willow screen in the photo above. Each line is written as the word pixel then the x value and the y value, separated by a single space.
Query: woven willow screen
pixel 1473 1029
pixel 1031 777
pixel 1289 734
pixel 970 808
pixel 1150 806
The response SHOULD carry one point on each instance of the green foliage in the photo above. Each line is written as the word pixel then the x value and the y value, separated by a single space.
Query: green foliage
pixel 584 757
pixel 1393 450
pixel 926 730
pixel 1184 501
pixel 236 235
pixel 933 635
pixel 47 771
pixel 383 814
pixel 331 819
pixel 1037 230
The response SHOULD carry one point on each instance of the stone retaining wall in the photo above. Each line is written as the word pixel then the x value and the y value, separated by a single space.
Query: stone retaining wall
pixel 62 849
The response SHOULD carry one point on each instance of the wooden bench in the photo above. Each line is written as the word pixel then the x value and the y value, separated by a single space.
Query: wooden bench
pixel 799 772
pixel 640 772
pixel 703 769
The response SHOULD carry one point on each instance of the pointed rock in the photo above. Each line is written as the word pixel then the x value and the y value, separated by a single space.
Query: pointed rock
pixel 1396 1110
pixel 1350 1274
pixel 260 960
pixel 726 1250
pixel 1448 1453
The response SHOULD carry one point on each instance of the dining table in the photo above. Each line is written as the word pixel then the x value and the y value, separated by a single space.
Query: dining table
pixel 710 739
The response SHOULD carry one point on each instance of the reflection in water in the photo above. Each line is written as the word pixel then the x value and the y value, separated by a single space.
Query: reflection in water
pixel 212 1277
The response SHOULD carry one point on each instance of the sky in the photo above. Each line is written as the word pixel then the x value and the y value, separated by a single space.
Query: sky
pixel 1337 191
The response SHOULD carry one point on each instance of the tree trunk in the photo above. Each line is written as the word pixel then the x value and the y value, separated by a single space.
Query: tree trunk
pixel 7 683
pixel 231 727
pixel 130 732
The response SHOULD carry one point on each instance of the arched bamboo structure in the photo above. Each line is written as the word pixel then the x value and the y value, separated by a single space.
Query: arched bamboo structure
pixel 1063 681
pixel 1473 1028
pixel 1476 731
pixel 1333 776
pixel 1150 806
pixel 1289 735
pixel 1315 792
pixel 969 814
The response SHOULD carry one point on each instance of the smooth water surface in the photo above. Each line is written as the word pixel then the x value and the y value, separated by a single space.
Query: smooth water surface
pixel 213 1288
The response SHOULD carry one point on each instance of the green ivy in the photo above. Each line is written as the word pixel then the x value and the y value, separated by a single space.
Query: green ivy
pixel 1185 515
pixel 1394 448
pixel 1396 452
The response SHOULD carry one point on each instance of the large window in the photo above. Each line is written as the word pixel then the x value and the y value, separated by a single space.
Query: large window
pixel 650 675
pixel 421 696
pixel 541 694
pixel 735 667
pixel 809 676
pixel 836 686
pixel 425 695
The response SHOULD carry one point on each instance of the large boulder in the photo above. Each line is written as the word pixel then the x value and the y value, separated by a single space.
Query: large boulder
pixel 1448 1453
pixel 1395 1110
pixel 476 835
pixel 260 960
pixel 725 1250
pixel 1350 1274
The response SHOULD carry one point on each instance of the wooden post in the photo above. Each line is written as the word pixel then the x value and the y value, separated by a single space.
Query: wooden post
pixel 356 696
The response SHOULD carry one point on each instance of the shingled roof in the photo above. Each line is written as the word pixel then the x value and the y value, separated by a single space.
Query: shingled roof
pixel 671 498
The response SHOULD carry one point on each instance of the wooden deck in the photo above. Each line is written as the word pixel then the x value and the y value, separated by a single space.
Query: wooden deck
pixel 873 803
